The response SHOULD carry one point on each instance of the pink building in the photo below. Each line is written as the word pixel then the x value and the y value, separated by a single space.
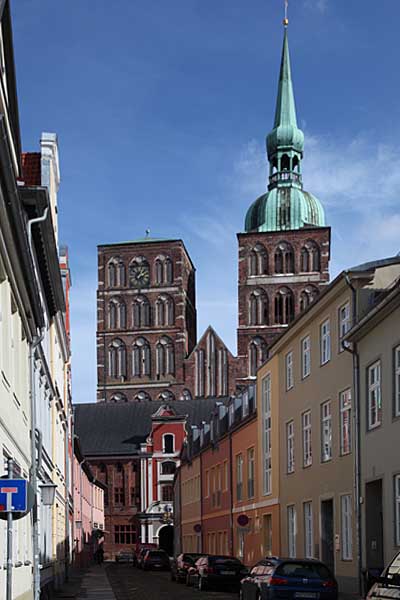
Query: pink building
pixel 88 510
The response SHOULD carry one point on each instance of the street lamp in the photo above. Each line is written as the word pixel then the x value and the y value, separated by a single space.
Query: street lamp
pixel 48 492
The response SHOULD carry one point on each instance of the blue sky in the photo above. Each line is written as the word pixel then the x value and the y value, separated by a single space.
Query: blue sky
pixel 162 108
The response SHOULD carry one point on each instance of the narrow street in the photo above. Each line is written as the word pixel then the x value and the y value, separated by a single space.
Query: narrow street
pixel 129 583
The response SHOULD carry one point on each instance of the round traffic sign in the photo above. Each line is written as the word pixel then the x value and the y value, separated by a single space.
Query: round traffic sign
pixel 243 520
pixel 197 528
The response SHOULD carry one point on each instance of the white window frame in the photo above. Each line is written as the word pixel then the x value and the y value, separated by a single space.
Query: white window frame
pixel 173 443
pixel 290 446
pixel 396 369
pixel 307 438
pixel 325 341
pixel 292 530
pixel 326 431
pixel 239 477
pixel 344 323
pixel 397 507
pixel 374 400
pixel 308 530
pixel 289 371
pixel 346 510
pixel 345 403
pixel 267 442
pixel 305 357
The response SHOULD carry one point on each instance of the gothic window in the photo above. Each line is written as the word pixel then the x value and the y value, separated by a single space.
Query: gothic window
pixel 164 270
pixel 112 275
pixel 116 314
pixel 116 273
pixel 158 266
pixel 310 257
pixel 211 365
pixel 307 296
pixel 285 163
pixel 142 397
pixel 284 259
pixel 258 308
pixel 258 261
pixel 141 312
pixel 166 396
pixel 257 355
pixel 164 311
pixel 121 274
pixel 199 372
pixel 112 315
pixel 118 398
pixel 284 306
pixel 141 358
pixel 222 372
pixel 121 315
pixel 186 395
pixel 117 359
pixel 296 164
pixel 168 271
pixel 165 359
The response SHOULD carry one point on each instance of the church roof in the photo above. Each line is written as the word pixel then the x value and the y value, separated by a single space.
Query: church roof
pixel 115 429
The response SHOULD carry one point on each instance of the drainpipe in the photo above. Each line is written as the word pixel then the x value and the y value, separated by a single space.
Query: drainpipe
pixel 231 493
pixel 67 482
pixel 357 437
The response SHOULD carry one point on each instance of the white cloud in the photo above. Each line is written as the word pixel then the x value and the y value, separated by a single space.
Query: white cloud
pixel 319 5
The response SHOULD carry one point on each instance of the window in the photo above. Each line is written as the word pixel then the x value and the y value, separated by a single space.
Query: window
pixel 326 432
pixel 167 493
pixel 374 396
pixel 290 446
pixel 164 311
pixel 222 372
pixel 325 337
pixel 211 363
pixel 305 357
pixel 284 259
pixel 168 443
pixel 267 442
pixel 117 359
pixel 291 518
pixel 397 507
pixel 344 323
pixel 199 369
pixel 307 449
pixel 141 358
pixel 165 357
pixel 141 312
pixel 119 495
pixel 168 468
pixel 345 422
pixel 207 483
pixel 308 296
pixel 250 473
pixel 310 258
pixel 258 308
pixel 125 534
pixel 267 530
pixel 347 528
pixel 258 261
pixel 284 306
pixel 239 477
pixel 225 476
pixel 308 530
pixel 257 355
pixel 289 371
pixel 397 382
pixel 112 275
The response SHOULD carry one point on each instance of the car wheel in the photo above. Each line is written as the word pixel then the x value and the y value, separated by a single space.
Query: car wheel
pixel 202 584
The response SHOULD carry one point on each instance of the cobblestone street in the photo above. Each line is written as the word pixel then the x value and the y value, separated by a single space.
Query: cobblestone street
pixel 129 583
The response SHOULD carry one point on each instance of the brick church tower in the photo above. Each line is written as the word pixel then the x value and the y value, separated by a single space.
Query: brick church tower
pixel 146 320
pixel 285 250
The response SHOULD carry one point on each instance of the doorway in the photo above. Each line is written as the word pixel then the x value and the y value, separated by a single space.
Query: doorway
pixel 166 539
pixel 327 535
pixel 374 525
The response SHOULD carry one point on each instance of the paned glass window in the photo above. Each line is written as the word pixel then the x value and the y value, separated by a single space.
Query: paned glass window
pixel 325 337
pixel 119 495
pixel 289 371
pixel 266 386
pixel 307 449
pixel 374 396
pixel 308 530
pixel 290 446
pixel 292 531
pixel 305 357
pixel 250 473
pixel 125 534
pixel 347 527
pixel 239 477
pixel 326 431
pixel 345 422
pixel 344 322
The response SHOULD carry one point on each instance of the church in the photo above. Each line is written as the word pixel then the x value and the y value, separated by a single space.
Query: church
pixel 153 371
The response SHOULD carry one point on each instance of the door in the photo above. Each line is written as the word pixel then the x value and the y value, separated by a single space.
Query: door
pixel 374 525
pixel 327 535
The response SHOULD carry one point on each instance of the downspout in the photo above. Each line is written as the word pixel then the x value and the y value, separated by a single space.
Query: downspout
pixel 231 492
pixel 201 503
pixel 357 437
pixel 67 480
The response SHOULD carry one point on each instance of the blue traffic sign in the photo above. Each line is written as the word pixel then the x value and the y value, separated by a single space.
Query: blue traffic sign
pixel 13 495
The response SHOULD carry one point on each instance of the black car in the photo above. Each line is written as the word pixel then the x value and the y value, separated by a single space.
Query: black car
pixel 218 571
pixel 155 559
pixel 388 584
pixel 292 579
pixel 181 565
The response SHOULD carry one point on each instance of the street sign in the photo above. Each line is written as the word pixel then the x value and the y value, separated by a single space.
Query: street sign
pixel 13 495
pixel 243 520
pixel 197 528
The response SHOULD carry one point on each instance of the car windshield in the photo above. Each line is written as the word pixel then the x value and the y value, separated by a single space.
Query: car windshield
pixel 394 567
pixel 309 570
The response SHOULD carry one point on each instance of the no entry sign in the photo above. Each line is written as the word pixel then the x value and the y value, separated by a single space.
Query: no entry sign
pixel 243 520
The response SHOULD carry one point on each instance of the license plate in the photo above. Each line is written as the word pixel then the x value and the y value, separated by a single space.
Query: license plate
pixel 157 565
pixel 228 573
pixel 312 595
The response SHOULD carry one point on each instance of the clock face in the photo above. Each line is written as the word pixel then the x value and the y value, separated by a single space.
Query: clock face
pixel 139 276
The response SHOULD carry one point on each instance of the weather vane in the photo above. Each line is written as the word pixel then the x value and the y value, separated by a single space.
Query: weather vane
pixel 147 232
pixel 286 20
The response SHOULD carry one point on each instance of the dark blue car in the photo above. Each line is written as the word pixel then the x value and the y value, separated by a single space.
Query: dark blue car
pixel 289 579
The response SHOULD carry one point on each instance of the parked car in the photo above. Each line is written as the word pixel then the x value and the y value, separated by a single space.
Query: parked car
pixel 388 584
pixel 156 559
pixel 124 556
pixel 218 571
pixel 292 579
pixel 181 564
pixel 140 551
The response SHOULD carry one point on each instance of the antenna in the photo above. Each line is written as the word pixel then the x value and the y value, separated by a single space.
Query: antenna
pixel 286 19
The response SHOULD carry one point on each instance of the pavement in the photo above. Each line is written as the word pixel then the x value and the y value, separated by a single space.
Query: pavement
pixel 88 584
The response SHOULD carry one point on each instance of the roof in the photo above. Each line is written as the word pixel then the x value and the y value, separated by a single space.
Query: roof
pixel 109 428
pixel 376 264
pixel 31 168
pixel 210 329
pixel 145 240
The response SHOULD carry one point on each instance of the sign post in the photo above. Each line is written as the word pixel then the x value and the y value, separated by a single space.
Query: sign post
pixel 243 528
pixel 9 529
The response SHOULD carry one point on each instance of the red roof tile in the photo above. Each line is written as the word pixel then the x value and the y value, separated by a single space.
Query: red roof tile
pixel 31 172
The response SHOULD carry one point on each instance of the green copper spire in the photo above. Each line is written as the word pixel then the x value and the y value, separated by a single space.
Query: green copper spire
pixel 286 206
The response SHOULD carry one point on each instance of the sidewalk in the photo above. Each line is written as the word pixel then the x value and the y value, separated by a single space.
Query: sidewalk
pixel 91 584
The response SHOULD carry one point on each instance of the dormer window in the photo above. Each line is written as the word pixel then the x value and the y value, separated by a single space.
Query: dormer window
pixel 168 443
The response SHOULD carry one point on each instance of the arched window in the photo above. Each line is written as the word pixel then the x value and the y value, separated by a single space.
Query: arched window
pixel 166 396
pixel 165 311
pixel 284 306
pixel 186 395
pixel 142 397
pixel 199 372
pixel 310 257
pixel 168 467
pixel 284 259
pixel 258 260
pixel 116 273
pixel 253 263
pixel 141 358
pixel 258 308
pixel 285 163
pixel 167 493
pixel 168 443
pixel 118 398
pixel 117 359
pixel 141 312
pixel 223 372
pixel 257 355
pixel 121 274
pixel 211 365
pixel 112 274
pixel 165 357
pixel 112 314
pixel 117 314
pixel 308 296
pixel 122 315
pixel 168 271
pixel 159 271
pixel 296 164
